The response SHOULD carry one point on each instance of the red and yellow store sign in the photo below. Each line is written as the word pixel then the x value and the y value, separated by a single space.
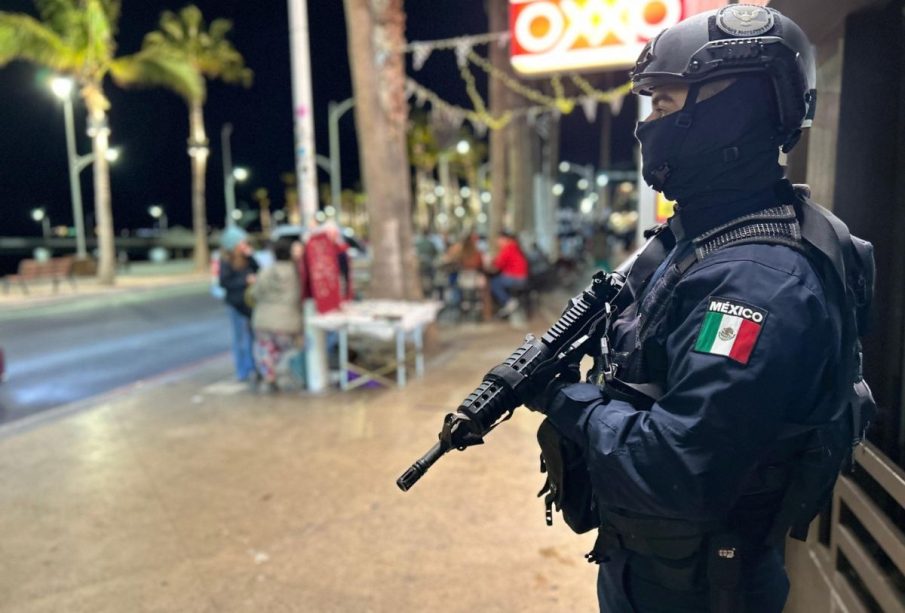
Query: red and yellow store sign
pixel 562 35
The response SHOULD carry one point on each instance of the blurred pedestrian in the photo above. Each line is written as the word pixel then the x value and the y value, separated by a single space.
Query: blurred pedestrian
pixel 463 257
pixel 238 270
pixel 277 317
pixel 511 273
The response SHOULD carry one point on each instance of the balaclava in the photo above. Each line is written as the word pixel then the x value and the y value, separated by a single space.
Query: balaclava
pixel 717 151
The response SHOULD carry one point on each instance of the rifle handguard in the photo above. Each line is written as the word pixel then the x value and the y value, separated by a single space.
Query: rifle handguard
pixel 530 367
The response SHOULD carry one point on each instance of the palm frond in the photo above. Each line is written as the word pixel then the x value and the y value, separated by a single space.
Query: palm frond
pixel 113 10
pixel 23 37
pixel 219 28
pixel 171 28
pixel 207 49
pixel 61 15
pixel 100 31
pixel 151 68
pixel 192 20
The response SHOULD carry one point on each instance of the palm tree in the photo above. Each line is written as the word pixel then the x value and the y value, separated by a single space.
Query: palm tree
pixel 211 56
pixel 78 38
pixel 376 30
pixel 423 156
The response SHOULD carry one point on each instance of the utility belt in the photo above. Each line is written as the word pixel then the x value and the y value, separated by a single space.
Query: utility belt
pixel 679 555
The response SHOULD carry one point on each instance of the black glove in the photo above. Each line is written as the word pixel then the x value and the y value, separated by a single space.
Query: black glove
pixel 538 398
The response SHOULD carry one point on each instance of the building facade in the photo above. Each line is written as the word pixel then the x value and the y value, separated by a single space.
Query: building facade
pixel 854 160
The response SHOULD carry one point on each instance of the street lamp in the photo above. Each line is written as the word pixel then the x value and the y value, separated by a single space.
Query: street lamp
pixel 230 176
pixel 336 111
pixel 40 216
pixel 156 211
pixel 463 147
pixel 62 88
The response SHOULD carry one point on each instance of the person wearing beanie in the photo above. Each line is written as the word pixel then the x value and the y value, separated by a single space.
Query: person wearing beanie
pixel 238 269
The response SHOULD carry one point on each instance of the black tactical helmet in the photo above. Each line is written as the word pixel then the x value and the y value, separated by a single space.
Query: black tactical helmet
pixel 737 40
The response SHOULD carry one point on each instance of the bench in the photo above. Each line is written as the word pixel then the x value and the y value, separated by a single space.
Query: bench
pixel 54 269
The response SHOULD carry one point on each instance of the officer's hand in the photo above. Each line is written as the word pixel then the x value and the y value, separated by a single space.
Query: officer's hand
pixel 539 398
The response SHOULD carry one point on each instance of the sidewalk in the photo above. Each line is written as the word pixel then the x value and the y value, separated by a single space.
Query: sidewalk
pixel 191 494
pixel 140 276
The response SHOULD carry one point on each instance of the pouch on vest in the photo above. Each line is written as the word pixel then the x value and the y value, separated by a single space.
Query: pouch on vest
pixel 568 485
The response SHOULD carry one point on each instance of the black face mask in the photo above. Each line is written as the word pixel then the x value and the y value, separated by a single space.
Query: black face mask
pixel 719 149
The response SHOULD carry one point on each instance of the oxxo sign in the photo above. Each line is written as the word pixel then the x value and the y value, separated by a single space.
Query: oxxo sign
pixel 561 35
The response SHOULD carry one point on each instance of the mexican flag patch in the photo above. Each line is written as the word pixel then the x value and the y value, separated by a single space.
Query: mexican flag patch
pixel 730 328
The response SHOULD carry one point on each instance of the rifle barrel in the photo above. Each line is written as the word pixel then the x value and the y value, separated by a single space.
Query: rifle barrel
pixel 417 470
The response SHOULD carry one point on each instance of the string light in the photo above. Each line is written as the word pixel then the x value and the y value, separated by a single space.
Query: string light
pixel 479 116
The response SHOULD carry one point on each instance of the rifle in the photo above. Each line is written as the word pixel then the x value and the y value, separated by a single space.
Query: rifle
pixel 581 330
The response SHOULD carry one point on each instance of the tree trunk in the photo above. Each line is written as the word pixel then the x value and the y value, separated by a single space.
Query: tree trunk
pixel 551 172
pixel 103 211
pixel 376 34
pixel 518 136
pixel 498 18
pixel 198 153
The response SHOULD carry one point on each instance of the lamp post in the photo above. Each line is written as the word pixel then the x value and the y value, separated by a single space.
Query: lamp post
pixel 157 212
pixel 336 111
pixel 229 194
pixel 62 88
pixel 40 216
pixel 233 175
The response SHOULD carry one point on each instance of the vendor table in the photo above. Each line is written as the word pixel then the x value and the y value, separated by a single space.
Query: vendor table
pixel 385 320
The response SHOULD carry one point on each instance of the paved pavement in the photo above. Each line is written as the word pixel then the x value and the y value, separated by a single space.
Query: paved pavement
pixel 188 493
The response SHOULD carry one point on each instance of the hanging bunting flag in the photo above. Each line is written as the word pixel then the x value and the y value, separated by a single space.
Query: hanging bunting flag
pixel 463 48
pixel 616 103
pixel 589 106
pixel 420 53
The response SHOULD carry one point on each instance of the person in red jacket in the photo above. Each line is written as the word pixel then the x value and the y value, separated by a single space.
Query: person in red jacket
pixel 511 267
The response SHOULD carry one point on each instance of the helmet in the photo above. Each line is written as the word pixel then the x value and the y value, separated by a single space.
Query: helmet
pixel 737 40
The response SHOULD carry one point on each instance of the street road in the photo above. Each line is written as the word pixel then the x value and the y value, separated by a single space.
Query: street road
pixel 60 353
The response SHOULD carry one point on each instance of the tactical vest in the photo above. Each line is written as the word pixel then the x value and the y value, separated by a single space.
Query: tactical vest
pixel 801 472
pixel 791 487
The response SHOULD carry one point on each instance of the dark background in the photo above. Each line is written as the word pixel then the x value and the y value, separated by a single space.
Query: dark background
pixel 151 125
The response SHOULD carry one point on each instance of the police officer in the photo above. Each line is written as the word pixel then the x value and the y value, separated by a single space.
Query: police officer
pixel 734 338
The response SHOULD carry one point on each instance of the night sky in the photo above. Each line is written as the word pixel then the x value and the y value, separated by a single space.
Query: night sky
pixel 151 125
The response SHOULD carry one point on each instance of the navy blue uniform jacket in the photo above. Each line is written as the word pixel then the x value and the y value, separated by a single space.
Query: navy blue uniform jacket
pixel 689 455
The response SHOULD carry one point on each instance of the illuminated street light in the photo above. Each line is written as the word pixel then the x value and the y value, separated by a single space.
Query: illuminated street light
pixel 587 205
pixel 62 87
pixel 40 216
pixel 583 184
pixel 564 167
pixel 236 214
pixel 240 174
pixel 157 212
pixel 558 189
pixel 603 180
pixel 465 191
pixel 486 197
pixel 459 211
pixel 463 147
